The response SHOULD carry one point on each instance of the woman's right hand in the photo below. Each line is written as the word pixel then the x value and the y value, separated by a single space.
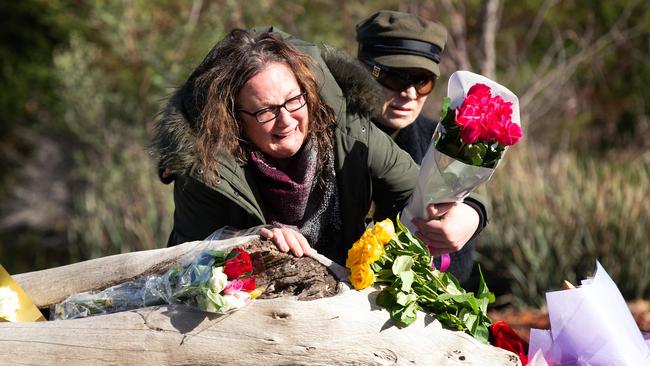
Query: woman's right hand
pixel 286 239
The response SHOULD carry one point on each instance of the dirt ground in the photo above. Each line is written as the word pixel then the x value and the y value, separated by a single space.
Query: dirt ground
pixel 522 320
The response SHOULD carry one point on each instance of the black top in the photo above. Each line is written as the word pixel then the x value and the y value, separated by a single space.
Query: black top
pixel 415 139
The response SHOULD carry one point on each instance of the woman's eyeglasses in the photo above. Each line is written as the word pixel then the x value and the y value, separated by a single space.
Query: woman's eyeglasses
pixel 399 80
pixel 271 112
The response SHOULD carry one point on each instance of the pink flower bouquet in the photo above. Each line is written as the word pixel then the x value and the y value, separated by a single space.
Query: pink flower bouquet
pixel 479 121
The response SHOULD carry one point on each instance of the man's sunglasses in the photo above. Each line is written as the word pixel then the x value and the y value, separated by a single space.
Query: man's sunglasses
pixel 399 80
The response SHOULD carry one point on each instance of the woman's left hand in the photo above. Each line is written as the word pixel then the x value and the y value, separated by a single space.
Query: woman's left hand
pixel 286 239
pixel 448 227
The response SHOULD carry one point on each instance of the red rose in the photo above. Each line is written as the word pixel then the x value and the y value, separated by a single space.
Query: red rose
pixel 248 284
pixel 479 90
pixel 502 336
pixel 471 133
pixel 508 133
pixel 469 113
pixel 483 118
pixel 238 265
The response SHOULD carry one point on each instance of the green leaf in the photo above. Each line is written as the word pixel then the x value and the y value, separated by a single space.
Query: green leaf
pixel 406 315
pixel 484 304
pixel 407 280
pixel 482 287
pixel 411 285
pixel 231 255
pixel 483 292
pixel 410 313
pixel 216 299
pixel 482 333
pixel 471 300
pixel 470 321
pixel 219 258
pixel 444 108
pixel 454 289
pixel 383 274
pixel 402 263
pixel 403 235
pixel 459 298
pixel 474 154
pixel 385 299
pixel 404 299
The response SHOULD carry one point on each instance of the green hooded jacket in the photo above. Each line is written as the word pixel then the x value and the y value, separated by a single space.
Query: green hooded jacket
pixel 368 165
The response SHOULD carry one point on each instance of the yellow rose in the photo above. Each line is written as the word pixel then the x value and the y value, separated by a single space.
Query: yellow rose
pixel 354 255
pixel 365 250
pixel 384 231
pixel 370 246
pixel 361 276
pixel 373 249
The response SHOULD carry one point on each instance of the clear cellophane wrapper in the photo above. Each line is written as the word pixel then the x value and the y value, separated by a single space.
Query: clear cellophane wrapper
pixel 443 178
pixel 178 285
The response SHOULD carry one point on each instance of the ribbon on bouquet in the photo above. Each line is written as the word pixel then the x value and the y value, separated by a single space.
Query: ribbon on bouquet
pixel 445 261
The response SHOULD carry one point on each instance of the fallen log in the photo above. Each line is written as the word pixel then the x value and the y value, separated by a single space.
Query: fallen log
pixel 347 328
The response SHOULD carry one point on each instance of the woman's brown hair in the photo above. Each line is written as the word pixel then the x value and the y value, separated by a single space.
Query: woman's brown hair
pixel 212 89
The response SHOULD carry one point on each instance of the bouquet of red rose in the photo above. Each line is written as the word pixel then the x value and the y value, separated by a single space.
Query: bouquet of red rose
pixel 216 281
pixel 478 122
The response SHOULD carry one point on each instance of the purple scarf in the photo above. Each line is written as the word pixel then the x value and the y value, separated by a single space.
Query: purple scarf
pixel 285 193
pixel 292 197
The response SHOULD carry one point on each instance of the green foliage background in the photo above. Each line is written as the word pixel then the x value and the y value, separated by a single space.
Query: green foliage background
pixel 83 81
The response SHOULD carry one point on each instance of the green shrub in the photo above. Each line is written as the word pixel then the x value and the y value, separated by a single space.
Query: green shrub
pixel 555 214
pixel 124 207
pixel 118 204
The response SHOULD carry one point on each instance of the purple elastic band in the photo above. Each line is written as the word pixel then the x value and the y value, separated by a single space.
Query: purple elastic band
pixel 445 261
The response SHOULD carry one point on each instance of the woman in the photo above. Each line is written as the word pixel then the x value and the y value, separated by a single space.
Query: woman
pixel 260 134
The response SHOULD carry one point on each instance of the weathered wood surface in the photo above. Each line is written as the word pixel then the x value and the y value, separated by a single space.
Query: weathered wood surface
pixel 341 330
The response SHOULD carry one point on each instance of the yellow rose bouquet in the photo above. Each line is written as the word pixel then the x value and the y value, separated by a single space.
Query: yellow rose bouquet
pixel 367 250
pixel 401 266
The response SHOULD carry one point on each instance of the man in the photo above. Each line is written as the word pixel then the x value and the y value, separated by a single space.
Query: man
pixel 402 51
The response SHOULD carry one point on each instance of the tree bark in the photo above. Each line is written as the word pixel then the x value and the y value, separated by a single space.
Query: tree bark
pixel 457 40
pixel 490 26
pixel 348 328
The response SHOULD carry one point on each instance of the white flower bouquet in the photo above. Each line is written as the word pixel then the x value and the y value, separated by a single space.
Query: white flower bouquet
pixel 215 281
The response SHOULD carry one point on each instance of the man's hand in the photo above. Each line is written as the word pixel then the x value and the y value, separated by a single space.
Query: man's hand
pixel 448 227
pixel 287 239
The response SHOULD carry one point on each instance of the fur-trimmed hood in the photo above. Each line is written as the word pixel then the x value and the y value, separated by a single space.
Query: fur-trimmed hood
pixel 174 145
